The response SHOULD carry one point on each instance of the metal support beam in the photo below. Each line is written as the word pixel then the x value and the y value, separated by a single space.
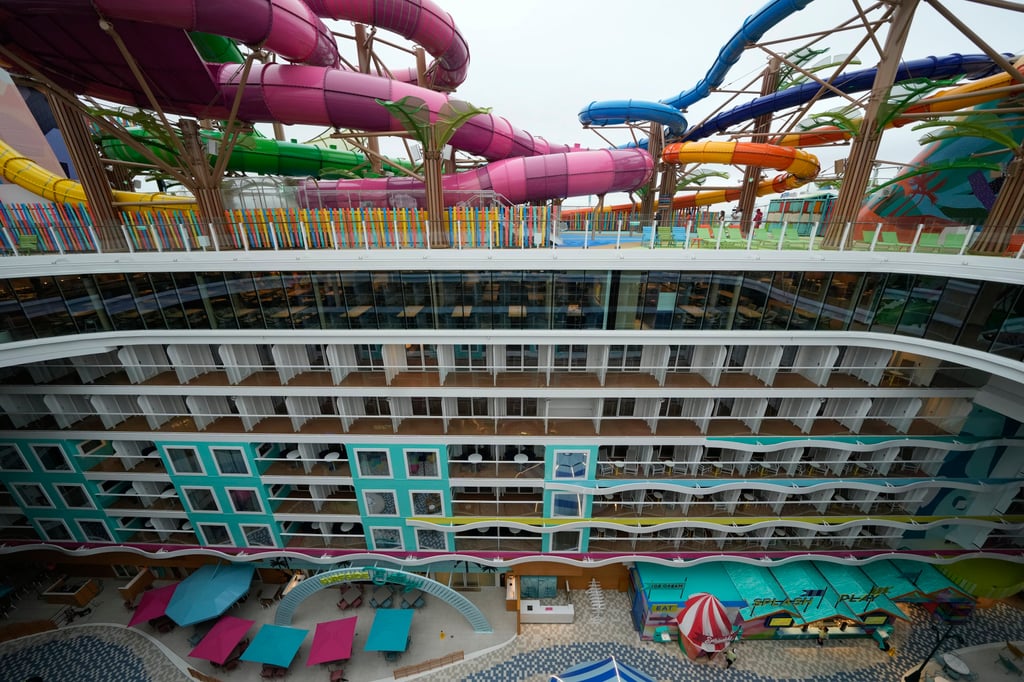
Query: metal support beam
pixel 865 145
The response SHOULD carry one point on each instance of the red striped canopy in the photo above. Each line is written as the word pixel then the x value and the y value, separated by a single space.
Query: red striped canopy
pixel 704 622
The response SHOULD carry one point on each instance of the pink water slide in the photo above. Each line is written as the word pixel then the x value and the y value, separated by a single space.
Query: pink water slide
pixel 315 89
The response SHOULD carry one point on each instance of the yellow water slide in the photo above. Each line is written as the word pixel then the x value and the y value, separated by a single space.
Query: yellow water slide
pixel 29 175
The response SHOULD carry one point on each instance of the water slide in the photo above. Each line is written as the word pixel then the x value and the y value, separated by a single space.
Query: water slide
pixel 318 90
pixel 314 90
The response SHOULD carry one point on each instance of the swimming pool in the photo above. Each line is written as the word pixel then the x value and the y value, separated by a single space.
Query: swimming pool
pixel 576 239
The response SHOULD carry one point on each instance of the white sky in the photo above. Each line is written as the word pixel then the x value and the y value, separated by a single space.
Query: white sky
pixel 537 63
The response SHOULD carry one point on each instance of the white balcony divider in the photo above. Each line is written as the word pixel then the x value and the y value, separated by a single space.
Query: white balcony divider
pixel 190 361
pixel 161 409
pixel 114 409
pixel 301 408
pixel 814 363
pixel 68 409
pixel 341 358
pixel 290 361
pixel 93 367
pixel 253 409
pixel 240 361
pixel 143 362
pixel 23 409
pixel 51 370
pixel 708 362
pixel 206 409
pixel 762 362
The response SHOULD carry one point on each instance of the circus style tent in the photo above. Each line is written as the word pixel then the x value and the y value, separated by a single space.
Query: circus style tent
pixel 704 624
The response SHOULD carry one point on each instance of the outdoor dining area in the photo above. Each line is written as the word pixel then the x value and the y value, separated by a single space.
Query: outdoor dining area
pixel 207 607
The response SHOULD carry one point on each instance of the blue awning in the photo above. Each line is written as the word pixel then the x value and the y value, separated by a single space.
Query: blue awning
pixel 209 592
pixel 275 645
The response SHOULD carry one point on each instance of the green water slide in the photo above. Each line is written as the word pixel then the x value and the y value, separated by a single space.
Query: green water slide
pixel 255 153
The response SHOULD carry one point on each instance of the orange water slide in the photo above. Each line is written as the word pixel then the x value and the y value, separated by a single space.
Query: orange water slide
pixel 798 168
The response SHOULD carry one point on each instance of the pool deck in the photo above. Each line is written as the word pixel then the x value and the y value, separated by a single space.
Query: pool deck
pixel 541 650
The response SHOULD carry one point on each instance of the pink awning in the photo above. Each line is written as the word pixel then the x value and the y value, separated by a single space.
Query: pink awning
pixel 222 638
pixel 332 641
pixel 153 604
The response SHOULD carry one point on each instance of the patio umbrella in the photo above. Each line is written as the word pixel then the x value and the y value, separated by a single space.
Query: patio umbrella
pixel 275 645
pixel 153 604
pixel 704 623
pixel 605 670
pixel 209 592
pixel 222 639
pixel 332 641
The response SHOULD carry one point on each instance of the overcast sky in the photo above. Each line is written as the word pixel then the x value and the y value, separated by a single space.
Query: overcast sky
pixel 538 63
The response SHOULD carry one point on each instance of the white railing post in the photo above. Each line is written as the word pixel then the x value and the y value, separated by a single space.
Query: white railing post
pixel 127 240
pixel 302 235
pixel 366 238
pixel 718 239
pixel 967 240
pixel 810 237
pixel 213 237
pixel 184 237
pixel 586 233
pixel 874 237
pixel 846 234
pixel 273 235
pixel 917 237
pixel 750 238
pixel 95 239
pixel 154 234
pixel 56 239
pixel 394 226
pixel 618 235
pixel 245 237
pixel 782 235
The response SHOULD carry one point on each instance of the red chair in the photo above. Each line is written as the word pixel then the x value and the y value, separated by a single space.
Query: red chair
pixel 338 676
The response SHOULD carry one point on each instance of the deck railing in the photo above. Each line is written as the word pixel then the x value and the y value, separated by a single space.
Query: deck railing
pixel 28 229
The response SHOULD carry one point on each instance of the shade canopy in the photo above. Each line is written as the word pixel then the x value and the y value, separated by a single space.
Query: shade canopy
pixel 605 670
pixel 275 645
pixel 153 604
pixel 704 622
pixel 222 639
pixel 332 641
pixel 209 592
pixel 390 631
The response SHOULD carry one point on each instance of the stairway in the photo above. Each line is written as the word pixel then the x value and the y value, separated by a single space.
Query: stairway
pixel 597 602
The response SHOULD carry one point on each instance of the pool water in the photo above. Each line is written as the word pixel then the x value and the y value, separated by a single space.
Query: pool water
pixel 575 239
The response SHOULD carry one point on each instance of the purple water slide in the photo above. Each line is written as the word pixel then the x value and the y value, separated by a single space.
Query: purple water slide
pixel 522 179
pixel 419 21
pixel 315 91
pixel 288 27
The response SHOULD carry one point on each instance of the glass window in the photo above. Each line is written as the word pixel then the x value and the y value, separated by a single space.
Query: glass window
pixel 258 536
pixel 231 461
pixel 571 463
pixel 427 539
pixel 51 457
pixel 373 463
pixel 201 499
pixel 32 495
pixel 94 531
pixel 387 538
pixel 953 310
pixel 427 504
pixel 44 306
pixel 74 496
pixel 185 460
pixel 11 459
pixel 55 529
pixel 921 302
pixel 215 533
pixel 422 463
pixel 565 504
pixel 565 541
pixel 245 500
pixel 380 503
pixel 15 322
pixel 118 301
pixel 196 314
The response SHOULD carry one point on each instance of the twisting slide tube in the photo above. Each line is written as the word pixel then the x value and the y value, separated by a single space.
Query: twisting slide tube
pixel 799 168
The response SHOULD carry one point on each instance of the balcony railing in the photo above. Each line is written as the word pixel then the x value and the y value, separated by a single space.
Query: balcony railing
pixel 27 229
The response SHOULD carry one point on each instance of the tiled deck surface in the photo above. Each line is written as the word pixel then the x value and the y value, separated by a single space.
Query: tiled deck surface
pixel 98 647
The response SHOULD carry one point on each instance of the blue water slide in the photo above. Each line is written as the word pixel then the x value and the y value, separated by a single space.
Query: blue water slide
pixel 619 111
pixel 755 26
pixel 667 112
pixel 973 66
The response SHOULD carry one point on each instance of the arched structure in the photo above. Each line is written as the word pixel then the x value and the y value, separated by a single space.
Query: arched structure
pixel 380 576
